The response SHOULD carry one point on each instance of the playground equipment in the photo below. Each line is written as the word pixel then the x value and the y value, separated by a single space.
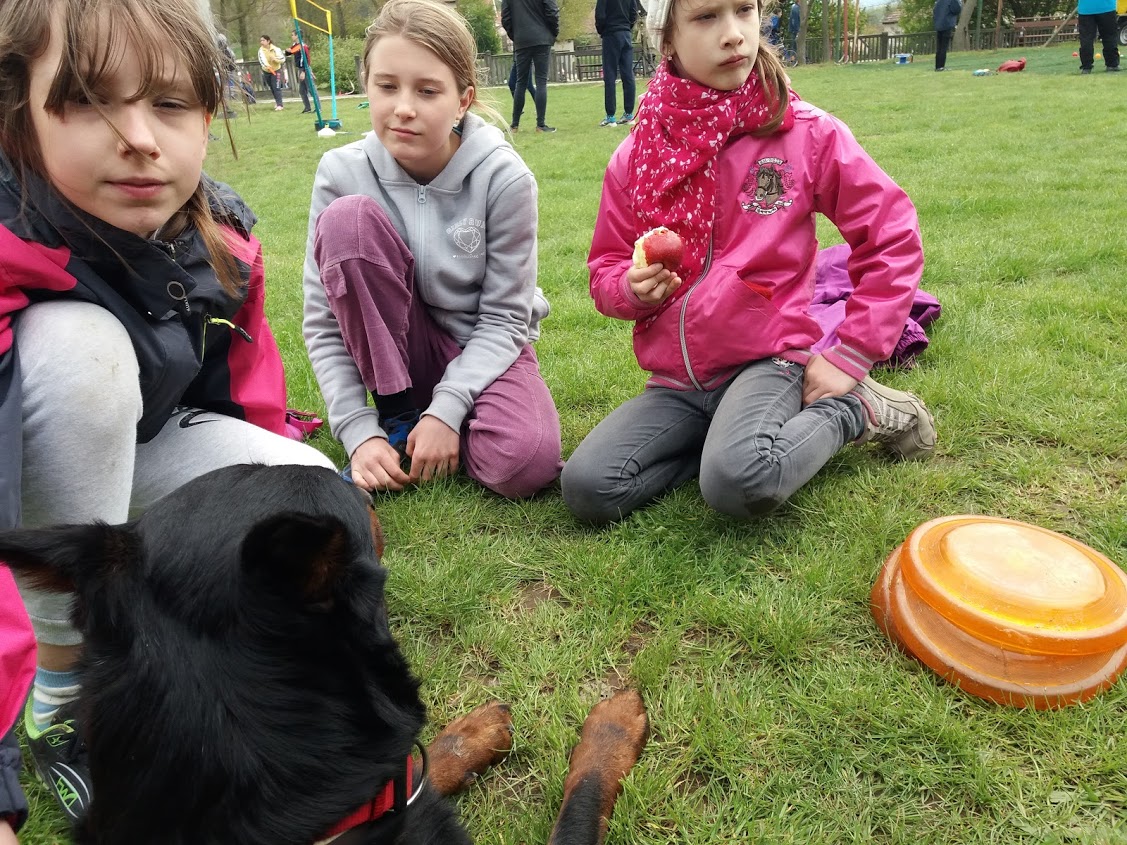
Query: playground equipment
pixel 324 24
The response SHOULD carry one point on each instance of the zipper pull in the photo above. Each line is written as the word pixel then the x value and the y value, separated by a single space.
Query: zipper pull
pixel 422 194
pixel 239 330
pixel 179 295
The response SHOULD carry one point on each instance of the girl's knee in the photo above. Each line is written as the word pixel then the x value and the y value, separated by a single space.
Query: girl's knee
pixel 77 361
pixel 356 227
pixel 520 475
pixel 740 491
pixel 583 488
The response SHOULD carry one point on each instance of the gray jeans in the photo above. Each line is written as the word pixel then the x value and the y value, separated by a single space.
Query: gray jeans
pixel 750 441
pixel 81 459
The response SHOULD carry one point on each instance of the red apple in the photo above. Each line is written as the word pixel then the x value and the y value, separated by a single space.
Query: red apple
pixel 659 246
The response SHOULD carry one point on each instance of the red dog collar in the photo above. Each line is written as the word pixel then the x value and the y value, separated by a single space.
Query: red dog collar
pixel 393 798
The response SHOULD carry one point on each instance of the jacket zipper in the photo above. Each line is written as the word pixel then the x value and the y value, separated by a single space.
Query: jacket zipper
pixel 420 253
pixel 681 317
pixel 208 320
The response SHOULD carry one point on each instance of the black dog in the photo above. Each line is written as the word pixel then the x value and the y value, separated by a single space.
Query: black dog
pixel 241 684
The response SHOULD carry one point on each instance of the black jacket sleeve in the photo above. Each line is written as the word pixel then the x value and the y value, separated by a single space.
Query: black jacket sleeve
pixel 507 18
pixel 552 16
pixel 12 801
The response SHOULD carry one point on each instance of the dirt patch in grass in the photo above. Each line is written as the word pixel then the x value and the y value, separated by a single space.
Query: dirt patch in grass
pixel 530 596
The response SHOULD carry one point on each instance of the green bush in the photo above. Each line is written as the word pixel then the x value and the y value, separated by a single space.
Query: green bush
pixel 480 17
pixel 345 51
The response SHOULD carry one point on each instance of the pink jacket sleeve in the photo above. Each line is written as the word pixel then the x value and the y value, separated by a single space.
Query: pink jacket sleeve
pixel 612 246
pixel 878 220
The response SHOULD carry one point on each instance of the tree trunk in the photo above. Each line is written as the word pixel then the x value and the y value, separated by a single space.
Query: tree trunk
pixel 341 28
pixel 961 40
pixel 827 23
pixel 800 39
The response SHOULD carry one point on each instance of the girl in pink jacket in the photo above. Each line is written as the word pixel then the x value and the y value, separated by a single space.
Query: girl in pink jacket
pixel 728 157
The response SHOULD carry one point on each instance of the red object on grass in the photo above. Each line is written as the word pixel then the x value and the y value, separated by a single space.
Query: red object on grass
pixel 1012 65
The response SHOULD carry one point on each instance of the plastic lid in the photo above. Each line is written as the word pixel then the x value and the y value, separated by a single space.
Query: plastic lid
pixel 1018 586
pixel 984 668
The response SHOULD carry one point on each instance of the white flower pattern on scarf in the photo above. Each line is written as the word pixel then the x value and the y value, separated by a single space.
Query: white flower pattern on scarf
pixel 681 128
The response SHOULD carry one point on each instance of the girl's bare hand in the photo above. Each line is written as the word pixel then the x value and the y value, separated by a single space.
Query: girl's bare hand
pixel 375 466
pixel 652 284
pixel 433 447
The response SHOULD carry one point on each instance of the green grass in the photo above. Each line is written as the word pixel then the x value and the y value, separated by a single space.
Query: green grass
pixel 779 712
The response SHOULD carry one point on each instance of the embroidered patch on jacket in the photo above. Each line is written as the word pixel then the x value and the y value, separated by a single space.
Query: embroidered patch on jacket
pixel 766 186
pixel 468 235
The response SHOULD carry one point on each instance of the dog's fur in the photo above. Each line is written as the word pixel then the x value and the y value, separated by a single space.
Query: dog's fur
pixel 240 681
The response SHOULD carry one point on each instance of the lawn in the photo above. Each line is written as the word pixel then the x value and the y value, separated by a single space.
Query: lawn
pixel 779 712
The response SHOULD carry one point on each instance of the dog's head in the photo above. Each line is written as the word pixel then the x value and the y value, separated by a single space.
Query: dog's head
pixel 240 682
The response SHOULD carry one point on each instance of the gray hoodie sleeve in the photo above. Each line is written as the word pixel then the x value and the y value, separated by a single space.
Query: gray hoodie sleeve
pixel 351 419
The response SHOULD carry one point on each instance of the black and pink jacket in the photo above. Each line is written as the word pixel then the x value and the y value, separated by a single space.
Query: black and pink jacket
pixel 195 344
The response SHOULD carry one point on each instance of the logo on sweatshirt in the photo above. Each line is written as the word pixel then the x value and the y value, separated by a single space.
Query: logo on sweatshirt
pixel 467 234
pixel 766 186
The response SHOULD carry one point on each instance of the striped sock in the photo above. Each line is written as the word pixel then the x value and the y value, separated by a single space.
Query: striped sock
pixel 51 691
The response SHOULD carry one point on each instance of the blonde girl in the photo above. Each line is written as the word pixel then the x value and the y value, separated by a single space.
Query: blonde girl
pixel 727 156
pixel 134 354
pixel 420 275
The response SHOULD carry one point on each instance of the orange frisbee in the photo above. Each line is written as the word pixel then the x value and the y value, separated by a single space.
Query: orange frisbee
pixel 1008 611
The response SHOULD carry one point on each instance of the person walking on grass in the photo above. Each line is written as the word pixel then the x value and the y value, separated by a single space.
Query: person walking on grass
pixel 134 352
pixel 724 154
pixel 271 59
pixel 945 17
pixel 420 275
pixel 614 21
pixel 1098 17
pixel 533 26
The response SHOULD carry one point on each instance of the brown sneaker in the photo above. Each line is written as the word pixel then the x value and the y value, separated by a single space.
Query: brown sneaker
pixel 896 419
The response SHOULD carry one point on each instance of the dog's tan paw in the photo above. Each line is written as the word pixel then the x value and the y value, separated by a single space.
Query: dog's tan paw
pixel 614 734
pixel 470 745
pixel 613 737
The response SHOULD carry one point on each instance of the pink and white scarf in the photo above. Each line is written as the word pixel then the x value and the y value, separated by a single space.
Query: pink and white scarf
pixel 682 126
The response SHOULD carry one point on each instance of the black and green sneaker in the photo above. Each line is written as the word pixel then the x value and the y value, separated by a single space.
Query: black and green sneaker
pixel 60 759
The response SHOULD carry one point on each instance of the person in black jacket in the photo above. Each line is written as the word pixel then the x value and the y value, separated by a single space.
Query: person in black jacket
pixel 945 16
pixel 614 21
pixel 533 26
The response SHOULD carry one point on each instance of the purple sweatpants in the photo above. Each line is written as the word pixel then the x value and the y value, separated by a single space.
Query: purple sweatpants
pixel 510 440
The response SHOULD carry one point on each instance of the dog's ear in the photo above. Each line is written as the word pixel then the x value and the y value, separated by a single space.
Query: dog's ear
pixel 303 552
pixel 60 558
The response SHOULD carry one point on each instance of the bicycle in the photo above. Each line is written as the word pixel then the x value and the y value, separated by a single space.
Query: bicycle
pixel 788 57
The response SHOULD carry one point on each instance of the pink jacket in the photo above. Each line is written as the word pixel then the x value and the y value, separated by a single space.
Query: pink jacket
pixel 752 300
pixel 17 652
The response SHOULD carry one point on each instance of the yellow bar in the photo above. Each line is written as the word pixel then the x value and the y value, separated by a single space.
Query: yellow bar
pixel 311 24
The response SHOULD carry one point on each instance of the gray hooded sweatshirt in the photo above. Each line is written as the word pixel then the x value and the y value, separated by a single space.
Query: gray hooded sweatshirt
pixel 472 232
